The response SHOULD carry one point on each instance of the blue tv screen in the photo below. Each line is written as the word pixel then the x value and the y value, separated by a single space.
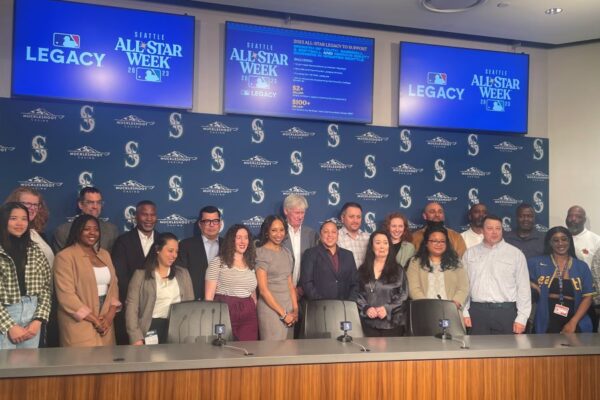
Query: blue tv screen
pixel 292 73
pixel 87 52
pixel 459 88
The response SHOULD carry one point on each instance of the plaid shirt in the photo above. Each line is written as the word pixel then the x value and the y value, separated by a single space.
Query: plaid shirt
pixel 357 246
pixel 37 281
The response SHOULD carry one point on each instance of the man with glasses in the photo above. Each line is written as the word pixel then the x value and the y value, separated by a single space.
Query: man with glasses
pixel 196 252
pixel 90 203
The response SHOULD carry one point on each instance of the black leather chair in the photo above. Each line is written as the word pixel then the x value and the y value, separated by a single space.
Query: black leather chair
pixel 425 314
pixel 194 322
pixel 322 319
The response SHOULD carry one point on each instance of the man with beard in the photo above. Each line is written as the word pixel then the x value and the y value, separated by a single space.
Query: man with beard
pixel 526 238
pixel 433 214
pixel 474 235
pixel 585 241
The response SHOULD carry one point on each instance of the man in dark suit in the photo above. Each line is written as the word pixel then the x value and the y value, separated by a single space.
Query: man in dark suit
pixel 128 254
pixel 299 237
pixel 329 271
pixel 89 202
pixel 196 252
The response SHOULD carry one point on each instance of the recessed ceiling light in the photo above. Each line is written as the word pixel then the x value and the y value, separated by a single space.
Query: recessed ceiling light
pixel 553 11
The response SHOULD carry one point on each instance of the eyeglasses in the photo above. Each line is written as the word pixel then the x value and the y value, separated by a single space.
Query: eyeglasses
pixel 93 203
pixel 436 241
pixel 210 222
pixel 34 206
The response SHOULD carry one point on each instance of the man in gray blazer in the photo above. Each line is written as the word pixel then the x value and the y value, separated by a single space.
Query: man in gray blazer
pixel 89 202
pixel 299 237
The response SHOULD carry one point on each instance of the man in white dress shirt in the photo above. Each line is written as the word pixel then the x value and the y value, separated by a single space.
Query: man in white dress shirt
pixel 586 242
pixel 474 235
pixel 499 299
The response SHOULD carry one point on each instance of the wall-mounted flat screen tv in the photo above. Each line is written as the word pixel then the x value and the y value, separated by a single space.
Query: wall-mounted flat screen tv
pixel 464 89
pixel 86 52
pixel 299 74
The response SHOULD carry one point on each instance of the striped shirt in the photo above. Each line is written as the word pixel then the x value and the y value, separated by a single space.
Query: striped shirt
pixel 234 281
pixel 37 281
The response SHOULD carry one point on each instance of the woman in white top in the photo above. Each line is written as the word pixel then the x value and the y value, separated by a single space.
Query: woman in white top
pixel 153 289
pixel 436 271
pixel 230 278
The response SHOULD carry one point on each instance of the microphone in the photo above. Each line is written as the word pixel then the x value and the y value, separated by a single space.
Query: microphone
pixel 345 326
pixel 219 330
pixel 443 323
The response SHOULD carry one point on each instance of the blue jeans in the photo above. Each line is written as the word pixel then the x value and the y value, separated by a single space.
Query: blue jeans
pixel 22 313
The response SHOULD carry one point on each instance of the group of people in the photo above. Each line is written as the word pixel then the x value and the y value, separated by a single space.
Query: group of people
pixel 92 287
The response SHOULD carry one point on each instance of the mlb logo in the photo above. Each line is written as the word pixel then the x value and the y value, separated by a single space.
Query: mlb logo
pixel 148 74
pixel 67 40
pixel 495 105
pixel 258 82
pixel 437 78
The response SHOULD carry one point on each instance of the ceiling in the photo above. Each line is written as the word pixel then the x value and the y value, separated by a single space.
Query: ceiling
pixel 521 21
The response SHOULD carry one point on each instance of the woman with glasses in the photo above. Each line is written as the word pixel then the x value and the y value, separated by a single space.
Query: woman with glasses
pixel 564 284
pixel 86 288
pixel 278 305
pixel 25 281
pixel 38 216
pixel 435 271
pixel 396 225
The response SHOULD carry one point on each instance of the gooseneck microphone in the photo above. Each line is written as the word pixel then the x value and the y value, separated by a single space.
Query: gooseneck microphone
pixel 345 326
pixel 443 323
pixel 219 330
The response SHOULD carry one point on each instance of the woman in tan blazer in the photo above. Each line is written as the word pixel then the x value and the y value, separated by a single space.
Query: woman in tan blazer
pixel 436 271
pixel 153 289
pixel 86 288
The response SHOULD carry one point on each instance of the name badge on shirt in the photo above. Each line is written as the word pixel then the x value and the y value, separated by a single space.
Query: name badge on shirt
pixel 151 337
pixel 561 310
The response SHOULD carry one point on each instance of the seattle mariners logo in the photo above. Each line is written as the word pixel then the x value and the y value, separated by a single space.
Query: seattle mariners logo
pixel 405 143
pixel 218 162
pixel 129 216
pixel 370 222
pixel 370 168
pixel 538 202
pixel 506 174
pixel 405 197
pixel 333 139
pixel 297 166
pixel 132 157
pixel 40 153
pixel 258 134
pixel 538 150
pixel 88 123
pixel 440 172
pixel 175 189
pixel 334 193
pixel 258 194
pixel 473 195
pixel 473 149
pixel 506 224
pixel 85 179
pixel 175 125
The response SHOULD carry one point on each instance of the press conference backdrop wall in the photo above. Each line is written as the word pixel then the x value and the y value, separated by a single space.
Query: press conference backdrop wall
pixel 247 165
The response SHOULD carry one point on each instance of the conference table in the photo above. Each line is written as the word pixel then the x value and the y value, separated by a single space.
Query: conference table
pixel 561 366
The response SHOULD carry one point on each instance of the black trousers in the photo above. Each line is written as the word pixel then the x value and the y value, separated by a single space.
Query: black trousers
pixel 492 318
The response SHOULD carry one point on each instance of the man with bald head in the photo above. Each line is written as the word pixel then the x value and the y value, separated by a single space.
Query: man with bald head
pixel 433 214
pixel 586 242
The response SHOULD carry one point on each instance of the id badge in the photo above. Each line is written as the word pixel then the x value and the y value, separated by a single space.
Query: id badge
pixel 561 310
pixel 151 337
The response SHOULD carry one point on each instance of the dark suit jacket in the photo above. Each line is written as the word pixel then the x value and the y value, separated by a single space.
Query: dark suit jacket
pixel 192 255
pixel 319 280
pixel 308 238
pixel 127 256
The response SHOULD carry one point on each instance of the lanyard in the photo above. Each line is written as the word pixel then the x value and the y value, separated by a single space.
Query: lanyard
pixel 560 274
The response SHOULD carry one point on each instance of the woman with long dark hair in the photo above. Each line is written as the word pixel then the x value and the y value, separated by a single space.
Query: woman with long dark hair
pixel 278 305
pixel 231 278
pixel 153 289
pixel 86 287
pixel 383 293
pixel 436 271
pixel 25 281
pixel 564 284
